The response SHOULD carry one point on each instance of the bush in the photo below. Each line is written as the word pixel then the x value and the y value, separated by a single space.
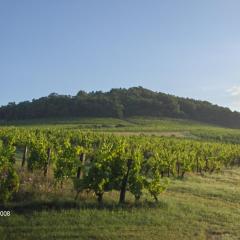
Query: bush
pixel 9 181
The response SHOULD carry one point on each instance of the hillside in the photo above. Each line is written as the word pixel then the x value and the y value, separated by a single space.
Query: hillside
pixel 120 103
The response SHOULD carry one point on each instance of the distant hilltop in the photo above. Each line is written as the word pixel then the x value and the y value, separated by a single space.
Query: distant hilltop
pixel 120 103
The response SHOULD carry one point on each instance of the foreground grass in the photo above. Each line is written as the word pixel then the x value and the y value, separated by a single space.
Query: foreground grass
pixel 198 207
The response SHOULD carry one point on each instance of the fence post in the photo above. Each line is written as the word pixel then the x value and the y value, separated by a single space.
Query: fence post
pixel 48 162
pixel 24 155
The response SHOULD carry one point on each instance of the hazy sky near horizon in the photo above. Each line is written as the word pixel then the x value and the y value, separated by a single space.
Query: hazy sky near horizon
pixel 187 48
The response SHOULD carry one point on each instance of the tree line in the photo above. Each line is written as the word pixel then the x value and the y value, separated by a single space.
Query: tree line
pixel 120 103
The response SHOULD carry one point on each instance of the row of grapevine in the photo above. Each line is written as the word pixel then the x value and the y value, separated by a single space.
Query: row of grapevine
pixel 100 163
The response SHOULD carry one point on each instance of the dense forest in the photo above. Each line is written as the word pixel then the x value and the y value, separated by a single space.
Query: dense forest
pixel 120 103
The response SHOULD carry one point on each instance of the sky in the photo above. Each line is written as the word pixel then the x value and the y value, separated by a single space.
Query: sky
pixel 189 48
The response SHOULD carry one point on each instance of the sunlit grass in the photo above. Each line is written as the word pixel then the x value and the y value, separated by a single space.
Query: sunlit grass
pixel 198 207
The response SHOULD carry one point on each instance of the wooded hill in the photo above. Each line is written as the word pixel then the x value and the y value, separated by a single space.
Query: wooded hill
pixel 120 103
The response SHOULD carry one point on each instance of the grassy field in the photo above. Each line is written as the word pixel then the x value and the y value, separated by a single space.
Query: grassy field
pixel 198 207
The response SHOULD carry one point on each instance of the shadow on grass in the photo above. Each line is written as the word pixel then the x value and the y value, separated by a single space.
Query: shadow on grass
pixel 59 205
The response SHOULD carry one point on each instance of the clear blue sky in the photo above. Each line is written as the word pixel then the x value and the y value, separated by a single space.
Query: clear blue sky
pixel 183 47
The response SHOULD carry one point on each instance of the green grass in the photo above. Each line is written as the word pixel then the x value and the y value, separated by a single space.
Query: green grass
pixel 198 207
pixel 113 124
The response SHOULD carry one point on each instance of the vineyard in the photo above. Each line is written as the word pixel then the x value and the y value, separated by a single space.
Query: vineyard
pixel 98 163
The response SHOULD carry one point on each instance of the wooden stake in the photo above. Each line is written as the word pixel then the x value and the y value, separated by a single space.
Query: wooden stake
pixel 48 162
pixel 24 158
pixel 82 161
